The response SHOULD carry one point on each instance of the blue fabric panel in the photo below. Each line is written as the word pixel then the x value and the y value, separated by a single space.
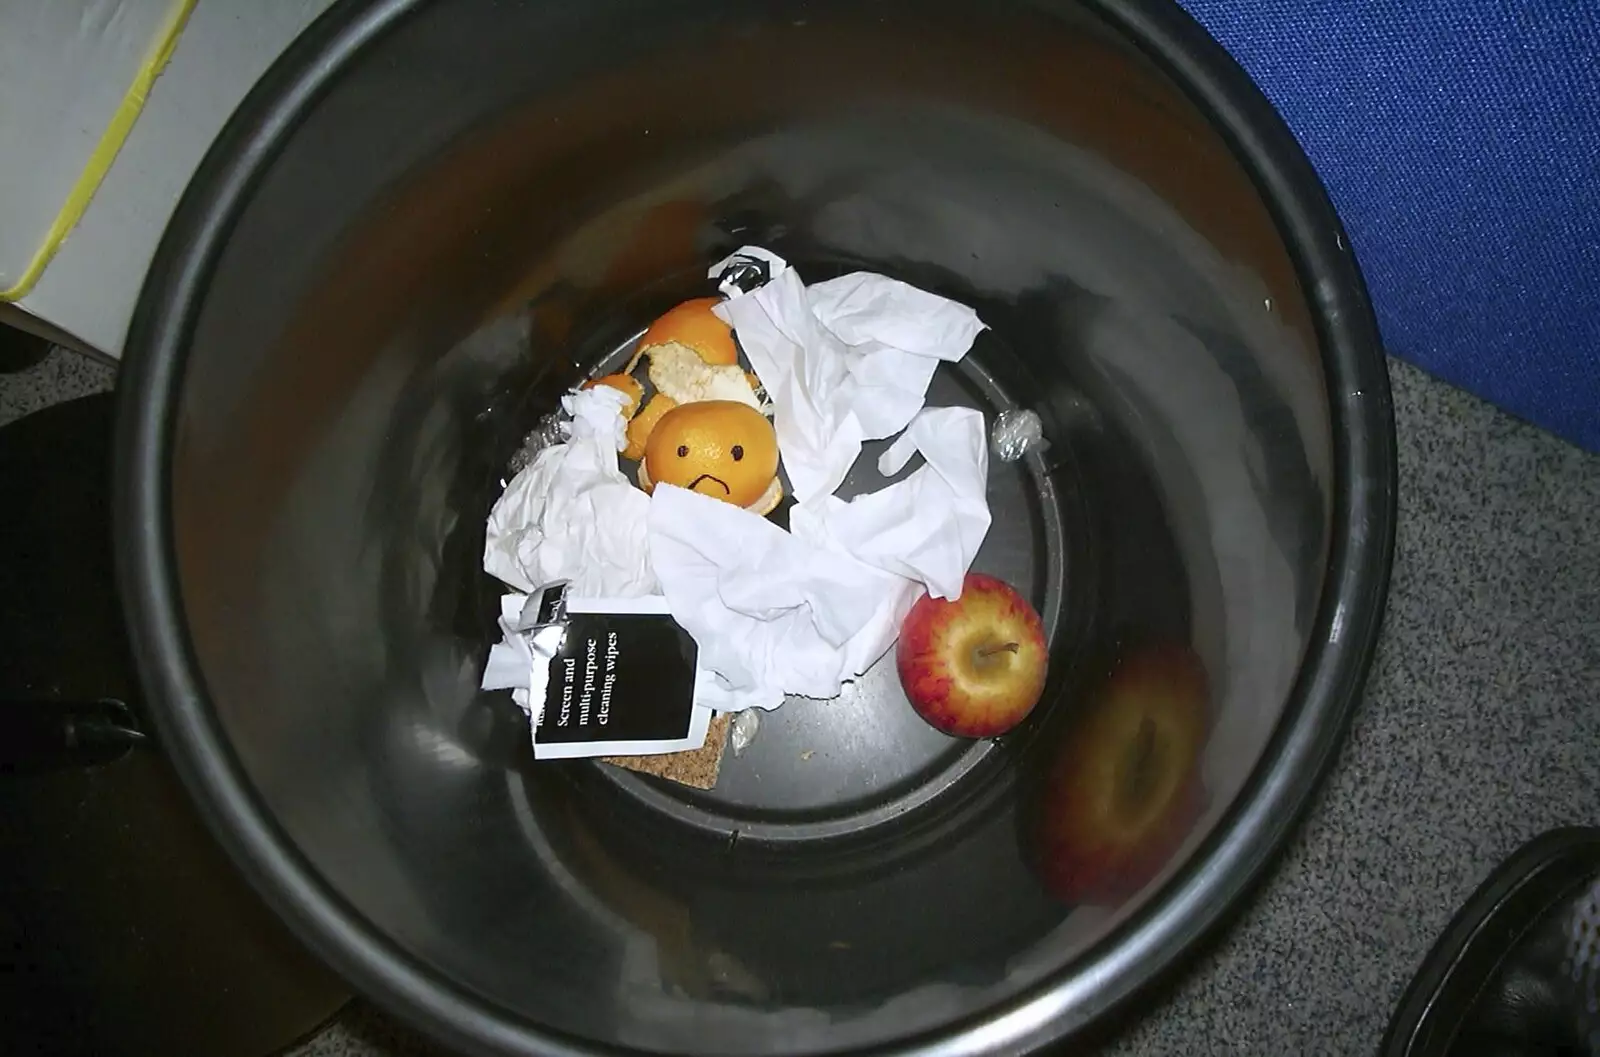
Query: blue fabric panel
pixel 1460 143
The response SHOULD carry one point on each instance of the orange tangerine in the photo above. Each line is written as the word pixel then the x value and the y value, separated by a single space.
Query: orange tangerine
pixel 720 448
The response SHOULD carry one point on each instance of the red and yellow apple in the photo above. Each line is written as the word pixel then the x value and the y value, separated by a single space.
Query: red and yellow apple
pixel 975 666
pixel 1125 787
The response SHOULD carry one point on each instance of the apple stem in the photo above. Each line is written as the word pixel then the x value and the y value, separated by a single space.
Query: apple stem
pixel 990 651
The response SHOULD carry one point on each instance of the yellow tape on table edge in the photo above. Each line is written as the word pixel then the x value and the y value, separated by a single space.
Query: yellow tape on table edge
pixel 105 151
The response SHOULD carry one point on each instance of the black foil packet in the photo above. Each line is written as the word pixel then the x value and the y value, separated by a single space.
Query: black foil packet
pixel 620 679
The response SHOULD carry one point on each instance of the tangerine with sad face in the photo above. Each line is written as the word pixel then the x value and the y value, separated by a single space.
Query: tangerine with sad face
pixel 719 448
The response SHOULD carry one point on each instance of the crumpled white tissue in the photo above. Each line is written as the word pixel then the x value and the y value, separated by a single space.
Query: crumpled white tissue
pixel 843 361
pixel 801 612
pixel 572 514
pixel 926 528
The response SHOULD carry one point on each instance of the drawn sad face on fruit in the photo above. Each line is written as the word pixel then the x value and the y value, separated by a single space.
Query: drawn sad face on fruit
pixel 718 448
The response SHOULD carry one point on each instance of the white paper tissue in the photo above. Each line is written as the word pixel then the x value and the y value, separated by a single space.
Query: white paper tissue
pixel 770 612
pixel 775 612
pixel 572 514
pixel 843 361
pixel 926 528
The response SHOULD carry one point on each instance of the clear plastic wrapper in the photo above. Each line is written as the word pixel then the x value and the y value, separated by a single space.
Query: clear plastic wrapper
pixel 743 729
pixel 542 436
pixel 1016 433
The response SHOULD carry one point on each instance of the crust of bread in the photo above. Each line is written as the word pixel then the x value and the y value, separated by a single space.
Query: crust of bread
pixel 769 499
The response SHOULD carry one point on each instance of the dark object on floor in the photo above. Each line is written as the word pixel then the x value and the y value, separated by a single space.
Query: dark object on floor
pixel 20 350
pixel 1511 976
pixel 125 930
